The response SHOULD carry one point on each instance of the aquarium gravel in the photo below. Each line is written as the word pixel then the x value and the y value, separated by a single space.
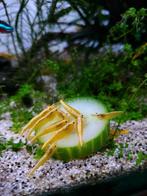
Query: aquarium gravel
pixel 55 175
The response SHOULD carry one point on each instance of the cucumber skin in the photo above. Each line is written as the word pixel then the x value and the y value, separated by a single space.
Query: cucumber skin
pixel 88 148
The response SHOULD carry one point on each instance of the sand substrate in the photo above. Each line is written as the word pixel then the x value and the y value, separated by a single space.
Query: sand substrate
pixel 55 175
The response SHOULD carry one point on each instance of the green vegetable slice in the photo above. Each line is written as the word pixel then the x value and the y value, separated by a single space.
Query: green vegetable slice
pixel 70 130
pixel 95 131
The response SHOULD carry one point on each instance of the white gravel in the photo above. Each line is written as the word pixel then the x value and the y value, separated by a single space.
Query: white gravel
pixel 14 166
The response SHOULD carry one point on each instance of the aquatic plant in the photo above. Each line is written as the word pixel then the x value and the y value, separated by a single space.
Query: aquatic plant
pixel 10 144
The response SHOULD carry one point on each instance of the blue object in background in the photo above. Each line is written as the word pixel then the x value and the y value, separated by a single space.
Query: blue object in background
pixel 5 28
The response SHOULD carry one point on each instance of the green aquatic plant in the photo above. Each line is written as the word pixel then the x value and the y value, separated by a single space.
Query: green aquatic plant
pixel 141 157
pixel 21 105
pixel 10 144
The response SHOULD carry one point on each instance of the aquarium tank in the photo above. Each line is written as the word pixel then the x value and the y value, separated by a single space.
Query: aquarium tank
pixel 73 97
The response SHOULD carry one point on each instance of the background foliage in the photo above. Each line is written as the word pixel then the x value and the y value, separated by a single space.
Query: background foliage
pixel 105 54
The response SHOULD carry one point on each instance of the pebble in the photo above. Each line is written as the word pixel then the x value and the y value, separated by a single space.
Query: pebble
pixel 54 174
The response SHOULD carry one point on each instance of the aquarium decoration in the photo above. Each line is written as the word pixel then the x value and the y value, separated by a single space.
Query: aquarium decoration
pixel 71 129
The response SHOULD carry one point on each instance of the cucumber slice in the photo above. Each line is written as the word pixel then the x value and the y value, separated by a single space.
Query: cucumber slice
pixel 95 131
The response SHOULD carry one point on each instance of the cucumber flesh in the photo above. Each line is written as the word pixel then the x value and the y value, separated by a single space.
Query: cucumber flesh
pixel 95 131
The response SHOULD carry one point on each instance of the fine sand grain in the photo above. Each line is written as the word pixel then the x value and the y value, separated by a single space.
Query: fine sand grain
pixel 54 174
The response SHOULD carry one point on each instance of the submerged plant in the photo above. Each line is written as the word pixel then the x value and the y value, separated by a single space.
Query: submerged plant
pixel 70 130
pixel 140 157
pixel 10 144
